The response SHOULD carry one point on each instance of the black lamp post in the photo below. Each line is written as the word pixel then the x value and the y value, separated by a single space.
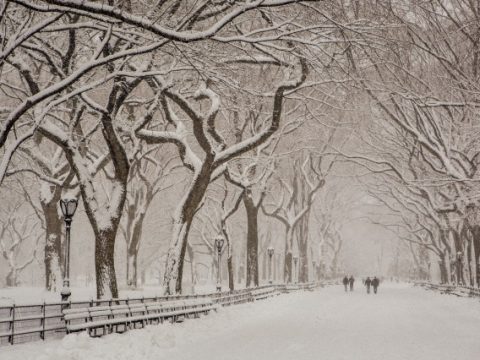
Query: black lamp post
pixel 219 241
pixel 270 251
pixel 68 207
pixel 295 274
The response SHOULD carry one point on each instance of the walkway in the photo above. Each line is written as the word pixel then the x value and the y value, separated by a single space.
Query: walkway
pixel 400 322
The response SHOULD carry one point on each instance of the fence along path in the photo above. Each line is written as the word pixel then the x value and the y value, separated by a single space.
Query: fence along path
pixel 457 290
pixel 32 322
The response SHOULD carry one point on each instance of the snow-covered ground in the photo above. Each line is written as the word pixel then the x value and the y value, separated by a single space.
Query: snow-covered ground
pixel 401 322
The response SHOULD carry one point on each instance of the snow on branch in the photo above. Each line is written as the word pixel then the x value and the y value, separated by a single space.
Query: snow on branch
pixel 118 14
pixel 257 139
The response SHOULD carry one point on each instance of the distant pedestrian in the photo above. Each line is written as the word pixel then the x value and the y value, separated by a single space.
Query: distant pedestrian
pixel 351 281
pixel 368 282
pixel 375 283
pixel 345 282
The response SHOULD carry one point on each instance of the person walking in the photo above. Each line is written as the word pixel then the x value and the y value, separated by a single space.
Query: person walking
pixel 345 282
pixel 368 282
pixel 351 281
pixel 375 283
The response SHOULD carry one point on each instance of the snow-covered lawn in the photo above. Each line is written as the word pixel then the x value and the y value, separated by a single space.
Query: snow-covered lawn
pixel 400 322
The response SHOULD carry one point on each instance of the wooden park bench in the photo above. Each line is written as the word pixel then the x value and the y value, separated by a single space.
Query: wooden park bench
pixel 473 292
pixel 263 293
pixel 120 318
pixel 233 299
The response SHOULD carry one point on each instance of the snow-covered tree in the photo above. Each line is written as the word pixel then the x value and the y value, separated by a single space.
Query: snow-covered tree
pixel 19 240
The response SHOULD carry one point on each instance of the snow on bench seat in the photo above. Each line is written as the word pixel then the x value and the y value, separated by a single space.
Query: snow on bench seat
pixel 231 299
pixel 123 317
pixel 264 293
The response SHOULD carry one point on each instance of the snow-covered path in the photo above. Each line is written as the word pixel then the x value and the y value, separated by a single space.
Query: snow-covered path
pixel 400 322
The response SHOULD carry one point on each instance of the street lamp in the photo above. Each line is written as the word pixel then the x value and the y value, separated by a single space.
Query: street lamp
pixel 314 264
pixel 68 207
pixel 295 261
pixel 270 251
pixel 219 241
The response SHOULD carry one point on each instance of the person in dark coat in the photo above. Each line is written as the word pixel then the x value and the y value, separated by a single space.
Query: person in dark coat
pixel 351 281
pixel 368 282
pixel 345 282
pixel 375 283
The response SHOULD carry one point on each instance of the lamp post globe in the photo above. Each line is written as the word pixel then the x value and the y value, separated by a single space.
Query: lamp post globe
pixel 68 206
pixel 270 251
pixel 219 241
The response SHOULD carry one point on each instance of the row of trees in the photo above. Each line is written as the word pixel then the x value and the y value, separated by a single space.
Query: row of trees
pixel 419 89
pixel 244 105
pixel 113 102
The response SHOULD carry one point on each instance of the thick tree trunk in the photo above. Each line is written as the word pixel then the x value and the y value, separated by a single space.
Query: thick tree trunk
pixel 105 227
pixel 132 268
pixel 302 233
pixel 53 254
pixel 133 248
pixel 241 270
pixel 105 264
pixel 252 239
pixel 288 275
pixel 274 268
pixel 476 251
pixel 303 261
pixel 172 280
pixel 459 261
pixel 334 267
pixel 53 262
pixel 469 261
pixel 231 280
pixel 193 268
pixel 444 277
pixel 288 267
pixel 182 222
pixel 213 268
pixel 11 279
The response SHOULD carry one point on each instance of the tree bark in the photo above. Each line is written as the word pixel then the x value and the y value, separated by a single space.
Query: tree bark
pixel 231 281
pixel 288 267
pixel 133 248
pixel 182 223
pixel 303 249
pixel 252 239
pixel 132 268
pixel 105 264
pixel 288 262
pixel 193 268
pixel 53 255
pixel 476 251
pixel 444 277
pixel 11 279
pixel 458 245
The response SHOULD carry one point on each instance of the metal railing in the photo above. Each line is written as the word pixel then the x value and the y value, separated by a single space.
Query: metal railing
pixel 31 322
